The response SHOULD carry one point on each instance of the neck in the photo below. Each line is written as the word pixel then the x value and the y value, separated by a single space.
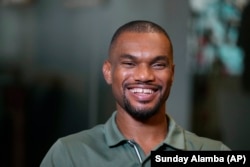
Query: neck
pixel 148 134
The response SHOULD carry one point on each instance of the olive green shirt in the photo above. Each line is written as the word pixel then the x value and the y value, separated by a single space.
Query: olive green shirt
pixel 105 146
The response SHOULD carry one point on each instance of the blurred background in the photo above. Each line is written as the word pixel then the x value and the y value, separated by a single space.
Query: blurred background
pixel 51 55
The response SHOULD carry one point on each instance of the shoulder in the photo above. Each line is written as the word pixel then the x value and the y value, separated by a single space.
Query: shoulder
pixel 195 142
pixel 70 149
pixel 87 137
pixel 183 139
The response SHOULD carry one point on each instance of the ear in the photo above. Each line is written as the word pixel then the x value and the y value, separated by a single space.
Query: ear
pixel 172 79
pixel 106 70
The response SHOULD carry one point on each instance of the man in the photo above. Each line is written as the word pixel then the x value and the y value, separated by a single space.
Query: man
pixel 140 70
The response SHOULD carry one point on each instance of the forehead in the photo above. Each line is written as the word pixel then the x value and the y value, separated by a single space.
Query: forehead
pixel 153 42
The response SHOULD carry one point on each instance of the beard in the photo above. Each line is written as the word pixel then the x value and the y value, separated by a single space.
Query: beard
pixel 141 114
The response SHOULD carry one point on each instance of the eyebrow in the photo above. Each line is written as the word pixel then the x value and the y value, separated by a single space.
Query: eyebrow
pixel 157 58
pixel 127 56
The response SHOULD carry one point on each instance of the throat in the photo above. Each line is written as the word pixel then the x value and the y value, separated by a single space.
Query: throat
pixel 148 135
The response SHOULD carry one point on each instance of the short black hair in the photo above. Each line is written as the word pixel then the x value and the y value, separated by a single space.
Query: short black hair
pixel 140 26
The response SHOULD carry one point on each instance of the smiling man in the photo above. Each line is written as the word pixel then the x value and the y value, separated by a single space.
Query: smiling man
pixel 140 70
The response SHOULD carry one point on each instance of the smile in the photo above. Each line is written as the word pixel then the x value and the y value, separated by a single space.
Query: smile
pixel 141 90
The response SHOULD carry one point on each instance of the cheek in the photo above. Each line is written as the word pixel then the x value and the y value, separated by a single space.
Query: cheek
pixel 120 76
pixel 166 81
pixel 118 79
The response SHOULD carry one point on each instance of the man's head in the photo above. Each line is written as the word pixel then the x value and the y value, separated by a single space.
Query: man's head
pixel 139 26
pixel 140 68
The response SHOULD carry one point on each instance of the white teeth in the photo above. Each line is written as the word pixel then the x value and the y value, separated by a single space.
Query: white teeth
pixel 140 90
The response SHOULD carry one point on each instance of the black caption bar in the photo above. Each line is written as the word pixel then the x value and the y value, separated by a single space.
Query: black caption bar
pixel 195 158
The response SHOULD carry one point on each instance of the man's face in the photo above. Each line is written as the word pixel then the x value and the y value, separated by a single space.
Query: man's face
pixel 140 70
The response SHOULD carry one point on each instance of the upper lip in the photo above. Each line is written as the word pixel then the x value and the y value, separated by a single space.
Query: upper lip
pixel 143 86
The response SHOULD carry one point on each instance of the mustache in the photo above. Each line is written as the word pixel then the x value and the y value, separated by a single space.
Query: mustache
pixel 147 84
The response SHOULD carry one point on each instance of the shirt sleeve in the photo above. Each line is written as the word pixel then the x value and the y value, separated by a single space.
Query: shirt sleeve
pixel 57 156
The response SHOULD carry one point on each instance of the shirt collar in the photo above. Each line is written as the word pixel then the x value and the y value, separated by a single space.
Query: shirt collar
pixel 112 133
pixel 175 137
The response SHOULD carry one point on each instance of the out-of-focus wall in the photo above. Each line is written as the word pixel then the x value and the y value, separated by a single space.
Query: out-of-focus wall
pixel 56 48
pixel 49 38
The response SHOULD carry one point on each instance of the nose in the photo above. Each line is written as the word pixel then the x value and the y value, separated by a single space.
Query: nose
pixel 143 73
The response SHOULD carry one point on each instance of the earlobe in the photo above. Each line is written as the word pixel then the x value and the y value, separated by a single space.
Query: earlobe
pixel 106 70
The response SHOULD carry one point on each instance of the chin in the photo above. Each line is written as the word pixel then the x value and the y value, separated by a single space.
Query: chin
pixel 141 114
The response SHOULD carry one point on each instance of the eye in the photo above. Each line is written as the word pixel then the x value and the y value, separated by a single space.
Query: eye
pixel 128 64
pixel 159 66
